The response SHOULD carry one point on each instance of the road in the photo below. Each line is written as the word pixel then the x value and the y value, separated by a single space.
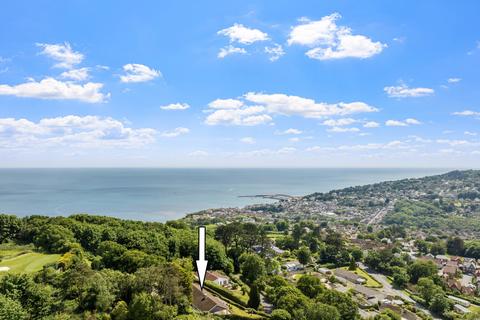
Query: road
pixel 380 214
pixel 390 290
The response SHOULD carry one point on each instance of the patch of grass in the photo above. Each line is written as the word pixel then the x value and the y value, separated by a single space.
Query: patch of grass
pixel 239 312
pixel 474 308
pixel 274 235
pixel 21 261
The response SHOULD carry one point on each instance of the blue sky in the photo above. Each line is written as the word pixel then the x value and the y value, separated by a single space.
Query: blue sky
pixel 245 84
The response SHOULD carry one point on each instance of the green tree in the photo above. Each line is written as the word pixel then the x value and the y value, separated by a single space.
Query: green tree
pixel 357 254
pixel 10 227
pixel 54 238
pixel 254 296
pixel 438 247
pixel 132 260
pixel 310 286
pixel 420 269
pixel 347 308
pixel 320 311
pixel 146 306
pixel 455 246
pixel 422 246
pixel 280 314
pixel 111 252
pixel 252 267
pixel 304 255
pixel 400 277
pixel 428 289
pixel 440 304
pixel 11 309
pixel 120 311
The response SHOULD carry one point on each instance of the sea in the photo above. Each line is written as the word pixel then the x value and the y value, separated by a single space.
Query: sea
pixel 166 194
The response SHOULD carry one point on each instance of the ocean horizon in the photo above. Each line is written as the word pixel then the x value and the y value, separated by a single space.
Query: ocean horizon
pixel 161 194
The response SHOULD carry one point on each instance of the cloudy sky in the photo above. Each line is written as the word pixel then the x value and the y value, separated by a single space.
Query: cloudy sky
pixel 240 84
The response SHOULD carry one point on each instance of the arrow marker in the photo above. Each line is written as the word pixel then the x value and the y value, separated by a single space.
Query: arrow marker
pixel 201 262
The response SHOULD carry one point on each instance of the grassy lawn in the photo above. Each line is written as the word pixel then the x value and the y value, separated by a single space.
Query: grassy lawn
pixel 274 235
pixel 237 311
pixel 371 282
pixel 474 308
pixel 24 261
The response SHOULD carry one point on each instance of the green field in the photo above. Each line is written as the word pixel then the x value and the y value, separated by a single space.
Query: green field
pixel 21 261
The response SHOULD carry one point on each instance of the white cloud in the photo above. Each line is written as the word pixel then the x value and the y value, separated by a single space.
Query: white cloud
pixel 237 112
pixel 403 91
pixel 76 74
pixel 295 139
pixel 244 35
pixel 246 116
pixel 175 106
pixel 469 133
pixel 50 88
pixel 62 53
pixel 229 50
pixel 339 122
pixel 292 131
pixel 308 108
pixel 343 129
pixel 453 143
pixel 275 52
pixel 248 140
pixel 454 80
pixel 467 113
pixel 72 131
pixel 175 132
pixel 135 72
pixel 395 123
pixel 225 104
pixel 330 41
pixel 412 121
pixel 371 124
pixel 405 123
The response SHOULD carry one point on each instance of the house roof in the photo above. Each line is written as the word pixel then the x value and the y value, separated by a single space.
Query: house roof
pixel 347 275
pixel 450 269
pixel 212 276
pixel 204 301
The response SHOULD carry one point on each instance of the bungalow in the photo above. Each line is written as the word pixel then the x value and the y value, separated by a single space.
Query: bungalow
pixel 217 278
pixel 459 301
pixel 293 266
pixel 350 276
pixel 461 309
pixel 205 302
pixel 277 250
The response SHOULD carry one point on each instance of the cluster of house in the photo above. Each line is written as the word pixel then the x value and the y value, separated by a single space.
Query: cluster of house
pixel 460 274
pixel 371 297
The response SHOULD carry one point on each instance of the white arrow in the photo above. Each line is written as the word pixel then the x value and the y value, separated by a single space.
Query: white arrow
pixel 201 262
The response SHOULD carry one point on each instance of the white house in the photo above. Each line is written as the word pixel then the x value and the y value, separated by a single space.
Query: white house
pixel 219 279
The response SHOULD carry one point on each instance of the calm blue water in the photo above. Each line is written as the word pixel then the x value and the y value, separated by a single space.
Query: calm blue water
pixel 165 194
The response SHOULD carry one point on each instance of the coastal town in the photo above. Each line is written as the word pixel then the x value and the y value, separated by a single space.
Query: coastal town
pixel 405 249
pixel 364 219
